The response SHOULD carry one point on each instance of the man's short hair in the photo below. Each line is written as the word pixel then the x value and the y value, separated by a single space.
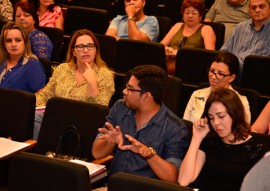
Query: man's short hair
pixel 267 1
pixel 152 79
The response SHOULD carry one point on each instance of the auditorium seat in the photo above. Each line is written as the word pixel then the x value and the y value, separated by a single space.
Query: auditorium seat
pixel 131 53
pixel 255 75
pixel 131 182
pixel 62 113
pixel 31 172
pixel 93 19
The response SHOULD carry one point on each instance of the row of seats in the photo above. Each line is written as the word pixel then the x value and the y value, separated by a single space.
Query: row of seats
pixel 98 22
pixel 30 172
pixel 167 8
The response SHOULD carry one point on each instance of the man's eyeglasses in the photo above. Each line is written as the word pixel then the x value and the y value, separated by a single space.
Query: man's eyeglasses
pixel 128 88
pixel 217 74
pixel 182 41
pixel 81 47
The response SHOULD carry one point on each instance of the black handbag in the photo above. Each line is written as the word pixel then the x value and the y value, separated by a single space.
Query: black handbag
pixel 68 146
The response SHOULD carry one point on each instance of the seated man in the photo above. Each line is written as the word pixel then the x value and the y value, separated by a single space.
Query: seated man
pixel 251 37
pixel 135 24
pixel 228 12
pixel 145 137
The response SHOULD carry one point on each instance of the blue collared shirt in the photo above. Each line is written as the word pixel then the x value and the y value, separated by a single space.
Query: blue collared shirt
pixel 28 75
pixel 245 41
pixel 165 132
pixel 149 26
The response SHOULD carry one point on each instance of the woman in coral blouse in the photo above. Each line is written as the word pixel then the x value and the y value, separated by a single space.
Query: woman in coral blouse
pixel 50 15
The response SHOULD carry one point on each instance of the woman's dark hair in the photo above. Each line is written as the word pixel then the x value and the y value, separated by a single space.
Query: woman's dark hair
pixel 235 109
pixel 28 8
pixel 197 4
pixel 230 60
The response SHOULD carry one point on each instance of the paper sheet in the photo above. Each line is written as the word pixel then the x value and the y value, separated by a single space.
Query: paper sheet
pixel 8 146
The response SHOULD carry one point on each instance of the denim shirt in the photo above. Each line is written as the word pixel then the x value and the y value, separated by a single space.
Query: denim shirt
pixel 165 132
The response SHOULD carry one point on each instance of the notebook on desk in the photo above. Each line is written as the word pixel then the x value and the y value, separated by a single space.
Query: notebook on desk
pixel 96 171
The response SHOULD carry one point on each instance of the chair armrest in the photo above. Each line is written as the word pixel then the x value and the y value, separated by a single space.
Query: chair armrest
pixel 104 160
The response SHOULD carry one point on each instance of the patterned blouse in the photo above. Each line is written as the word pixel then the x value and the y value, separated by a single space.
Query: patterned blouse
pixel 63 83
pixel 41 45
pixel 6 10
pixel 48 18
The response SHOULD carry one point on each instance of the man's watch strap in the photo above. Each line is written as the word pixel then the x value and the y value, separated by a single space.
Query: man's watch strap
pixel 153 153
pixel 132 18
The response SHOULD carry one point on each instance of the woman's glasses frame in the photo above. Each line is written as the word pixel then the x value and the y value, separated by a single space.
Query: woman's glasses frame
pixel 81 47
pixel 218 75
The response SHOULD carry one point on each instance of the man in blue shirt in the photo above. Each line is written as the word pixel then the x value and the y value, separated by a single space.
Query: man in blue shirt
pixel 144 136
pixel 135 24
pixel 251 37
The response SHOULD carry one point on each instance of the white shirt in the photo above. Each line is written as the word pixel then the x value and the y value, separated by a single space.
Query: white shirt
pixel 196 104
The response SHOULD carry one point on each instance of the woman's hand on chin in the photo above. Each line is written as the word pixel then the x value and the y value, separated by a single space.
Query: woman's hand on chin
pixel 89 73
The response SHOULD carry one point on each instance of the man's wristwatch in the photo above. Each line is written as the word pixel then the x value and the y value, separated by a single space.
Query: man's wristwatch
pixel 153 153
pixel 132 18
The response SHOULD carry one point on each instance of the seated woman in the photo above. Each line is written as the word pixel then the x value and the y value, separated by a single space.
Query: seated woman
pixel 85 76
pixel 262 124
pixel 222 73
pixel 50 15
pixel 26 15
pixel 19 68
pixel 190 33
pixel 222 148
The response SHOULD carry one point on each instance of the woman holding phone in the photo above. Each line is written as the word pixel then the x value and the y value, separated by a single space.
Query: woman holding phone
pixel 222 148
